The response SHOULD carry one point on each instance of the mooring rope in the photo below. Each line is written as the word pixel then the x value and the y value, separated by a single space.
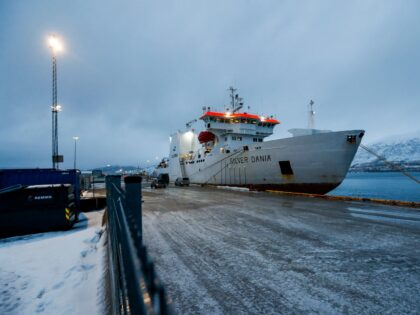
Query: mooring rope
pixel 392 165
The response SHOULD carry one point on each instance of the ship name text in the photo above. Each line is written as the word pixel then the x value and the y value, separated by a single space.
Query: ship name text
pixel 252 159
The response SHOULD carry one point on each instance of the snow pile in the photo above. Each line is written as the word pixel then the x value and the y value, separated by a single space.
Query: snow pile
pixel 53 273
pixel 233 188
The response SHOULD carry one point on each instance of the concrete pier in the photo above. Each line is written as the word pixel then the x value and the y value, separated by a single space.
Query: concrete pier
pixel 230 252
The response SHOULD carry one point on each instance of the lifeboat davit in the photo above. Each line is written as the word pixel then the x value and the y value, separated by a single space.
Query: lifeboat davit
pixel 206 136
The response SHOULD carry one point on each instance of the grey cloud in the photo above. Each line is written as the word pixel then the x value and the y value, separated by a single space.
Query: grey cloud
pixel 134 72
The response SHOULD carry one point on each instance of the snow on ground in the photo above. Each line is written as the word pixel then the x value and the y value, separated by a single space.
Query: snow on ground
pixel 233 188
pixel 54 273
pixel 229 252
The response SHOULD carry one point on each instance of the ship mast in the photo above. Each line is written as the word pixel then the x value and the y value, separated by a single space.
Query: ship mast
pixel 311 118
pixel 232 96
pixel 236 102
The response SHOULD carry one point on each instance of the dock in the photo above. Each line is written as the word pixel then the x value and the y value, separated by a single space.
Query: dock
pixel 221 251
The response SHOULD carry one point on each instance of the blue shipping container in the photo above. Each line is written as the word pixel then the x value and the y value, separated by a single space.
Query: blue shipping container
pixel 41 176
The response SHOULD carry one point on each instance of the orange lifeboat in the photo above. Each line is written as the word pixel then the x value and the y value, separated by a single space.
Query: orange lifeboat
pixel 206 136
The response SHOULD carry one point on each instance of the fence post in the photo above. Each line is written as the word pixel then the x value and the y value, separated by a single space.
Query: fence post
pixel 113 256
pixel 133 202
pixel 109 180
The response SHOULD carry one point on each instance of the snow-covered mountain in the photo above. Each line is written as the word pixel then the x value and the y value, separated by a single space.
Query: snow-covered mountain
pixel 403 150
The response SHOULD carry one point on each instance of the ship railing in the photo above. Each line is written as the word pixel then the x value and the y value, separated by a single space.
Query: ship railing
pixel 134 287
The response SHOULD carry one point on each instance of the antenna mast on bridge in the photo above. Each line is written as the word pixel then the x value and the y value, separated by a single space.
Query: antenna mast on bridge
pixel 311 120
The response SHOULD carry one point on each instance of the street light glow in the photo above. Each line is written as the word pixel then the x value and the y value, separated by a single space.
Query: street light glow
pixel 57 108
pixel 55 44
pixel 75 138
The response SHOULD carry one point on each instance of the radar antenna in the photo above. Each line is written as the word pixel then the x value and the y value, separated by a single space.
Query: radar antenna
pixel 311 120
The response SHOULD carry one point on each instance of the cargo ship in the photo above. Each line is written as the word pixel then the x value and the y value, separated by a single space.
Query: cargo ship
pixel 231 151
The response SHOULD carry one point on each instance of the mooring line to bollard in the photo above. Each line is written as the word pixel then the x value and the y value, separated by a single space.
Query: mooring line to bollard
pixel 391 164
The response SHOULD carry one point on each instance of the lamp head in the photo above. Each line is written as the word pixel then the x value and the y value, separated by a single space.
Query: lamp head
pixel 57 108
pixel 55 44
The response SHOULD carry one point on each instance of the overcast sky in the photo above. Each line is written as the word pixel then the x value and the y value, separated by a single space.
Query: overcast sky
pixel 133 72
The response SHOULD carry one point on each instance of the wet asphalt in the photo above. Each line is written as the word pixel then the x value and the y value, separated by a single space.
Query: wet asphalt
pixel 232 252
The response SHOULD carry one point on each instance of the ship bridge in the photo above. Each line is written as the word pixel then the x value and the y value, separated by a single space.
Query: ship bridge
pixel 224 132
pixel 239 123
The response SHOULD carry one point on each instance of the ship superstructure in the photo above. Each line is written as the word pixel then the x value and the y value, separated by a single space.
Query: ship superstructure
pixel 231 151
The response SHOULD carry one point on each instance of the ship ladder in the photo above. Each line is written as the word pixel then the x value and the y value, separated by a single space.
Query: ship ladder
pixel 224 167
pixel 390 164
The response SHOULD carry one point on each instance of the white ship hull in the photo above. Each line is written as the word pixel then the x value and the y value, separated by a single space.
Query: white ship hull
pixel 318 163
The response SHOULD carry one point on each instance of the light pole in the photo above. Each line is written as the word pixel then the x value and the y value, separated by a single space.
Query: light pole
pixel 75 138
pixel 56 46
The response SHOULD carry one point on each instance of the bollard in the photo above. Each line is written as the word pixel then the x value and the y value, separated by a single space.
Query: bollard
pixel 133 202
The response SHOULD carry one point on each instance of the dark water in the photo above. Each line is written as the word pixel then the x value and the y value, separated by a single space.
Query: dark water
pixel 387 185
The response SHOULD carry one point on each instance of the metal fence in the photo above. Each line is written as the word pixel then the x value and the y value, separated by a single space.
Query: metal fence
pixel 134 286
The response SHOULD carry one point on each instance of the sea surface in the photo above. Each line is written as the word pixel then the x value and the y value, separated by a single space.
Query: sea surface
pixel 380 185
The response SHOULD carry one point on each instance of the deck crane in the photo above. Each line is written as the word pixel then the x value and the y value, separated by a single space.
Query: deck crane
pixel 189 124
